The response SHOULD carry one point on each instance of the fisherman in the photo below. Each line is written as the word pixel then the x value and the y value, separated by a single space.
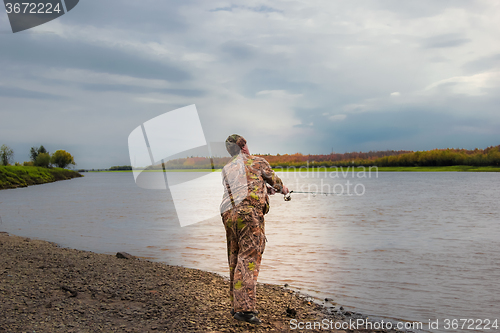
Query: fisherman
pixel 247 182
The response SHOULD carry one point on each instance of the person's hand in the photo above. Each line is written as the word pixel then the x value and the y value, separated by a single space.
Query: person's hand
pixel 270 190
pixel 285 190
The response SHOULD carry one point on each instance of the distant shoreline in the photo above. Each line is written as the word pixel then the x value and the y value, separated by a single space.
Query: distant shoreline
pixel 453 168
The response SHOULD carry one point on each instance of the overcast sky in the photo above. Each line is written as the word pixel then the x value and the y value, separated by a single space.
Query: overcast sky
pixel 290 76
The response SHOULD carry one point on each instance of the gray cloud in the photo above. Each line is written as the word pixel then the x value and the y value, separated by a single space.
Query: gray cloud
pixel 140 90
pixel 260 79
pixel 238 50
pixel 145 17
pixel 408 129
pixel 13 92
pixel 53 51
pixel 419 9
pixel 277 74
pixel 483 64
pixel 443 41
pixel 261 9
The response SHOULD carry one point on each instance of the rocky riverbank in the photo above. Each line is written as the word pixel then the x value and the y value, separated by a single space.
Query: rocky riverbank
pixel 46 288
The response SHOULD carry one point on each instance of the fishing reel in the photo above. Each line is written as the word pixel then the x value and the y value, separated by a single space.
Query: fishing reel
pixel 287 197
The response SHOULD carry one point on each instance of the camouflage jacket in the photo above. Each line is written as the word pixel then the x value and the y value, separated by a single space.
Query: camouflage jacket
pixel 244 179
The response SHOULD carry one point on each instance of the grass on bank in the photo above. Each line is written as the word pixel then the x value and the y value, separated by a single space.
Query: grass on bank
pixel 160 170
pixel 453 168
pixel 22 176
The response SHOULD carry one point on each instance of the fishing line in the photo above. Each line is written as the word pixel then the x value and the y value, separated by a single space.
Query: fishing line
pixel 287 197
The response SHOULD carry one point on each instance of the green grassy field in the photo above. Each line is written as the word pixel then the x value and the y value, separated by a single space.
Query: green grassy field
pixel 454 168
pixel 22 176
pixel 168 170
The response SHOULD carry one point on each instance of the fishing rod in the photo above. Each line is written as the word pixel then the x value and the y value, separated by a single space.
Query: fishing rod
pixel 287 196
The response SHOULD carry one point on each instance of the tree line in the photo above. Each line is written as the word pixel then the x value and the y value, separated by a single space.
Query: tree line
pixel 436 157
pixel 444 157
pixel 38 157
pixel 293 160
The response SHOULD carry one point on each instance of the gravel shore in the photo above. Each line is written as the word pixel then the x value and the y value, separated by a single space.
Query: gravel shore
pixel 46 288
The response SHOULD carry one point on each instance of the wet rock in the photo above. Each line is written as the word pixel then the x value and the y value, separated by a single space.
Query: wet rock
pixel 124 255
pixel 73 293
pixel 291 312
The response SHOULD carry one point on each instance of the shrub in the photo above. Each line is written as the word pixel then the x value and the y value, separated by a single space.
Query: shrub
pixel 42 160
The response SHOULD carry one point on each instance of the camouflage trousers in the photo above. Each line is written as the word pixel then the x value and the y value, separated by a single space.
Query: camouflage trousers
pixel 245 245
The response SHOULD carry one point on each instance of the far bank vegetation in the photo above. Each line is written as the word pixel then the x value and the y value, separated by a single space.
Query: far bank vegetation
pixel 390 158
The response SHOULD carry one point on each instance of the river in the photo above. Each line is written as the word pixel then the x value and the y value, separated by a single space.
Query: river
pixel 408 246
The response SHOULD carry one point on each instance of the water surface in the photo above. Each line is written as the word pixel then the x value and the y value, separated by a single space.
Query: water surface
pixel 414 246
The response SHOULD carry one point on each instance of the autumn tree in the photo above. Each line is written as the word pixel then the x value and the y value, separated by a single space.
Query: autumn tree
pixel 62 159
